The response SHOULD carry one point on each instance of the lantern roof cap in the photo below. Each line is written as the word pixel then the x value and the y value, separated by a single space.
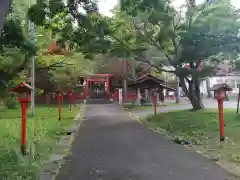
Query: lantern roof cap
pixel 22 87
pixel 59 90
pixel 223 86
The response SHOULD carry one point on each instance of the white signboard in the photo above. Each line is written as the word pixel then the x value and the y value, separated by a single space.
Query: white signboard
pixel 4 7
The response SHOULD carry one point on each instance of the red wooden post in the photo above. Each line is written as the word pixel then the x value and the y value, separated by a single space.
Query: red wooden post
pixel 155 103
pixel 221 119
pixel 70 96
pixel 60 99
pixel 24 91
pixel 24 105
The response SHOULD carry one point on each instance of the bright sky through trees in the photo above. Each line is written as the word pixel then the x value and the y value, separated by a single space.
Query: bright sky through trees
pixel 106 6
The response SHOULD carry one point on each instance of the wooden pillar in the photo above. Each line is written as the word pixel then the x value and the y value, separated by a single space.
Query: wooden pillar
pixel 107 85
pixel 158 99
pixel 146 94
pixel 86 88
pixel 138 99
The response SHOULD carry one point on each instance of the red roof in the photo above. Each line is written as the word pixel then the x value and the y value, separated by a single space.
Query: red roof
pixel 22 87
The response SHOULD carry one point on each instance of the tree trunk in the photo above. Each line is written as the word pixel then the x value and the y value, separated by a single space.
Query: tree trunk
pixel 208 87
pixel 125 80
pixel 133 71
pixel 177 91
pixel 194 97
pixel 195 101
pixel 197 88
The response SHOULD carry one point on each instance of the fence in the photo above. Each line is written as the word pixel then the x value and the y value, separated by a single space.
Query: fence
pixel 51 98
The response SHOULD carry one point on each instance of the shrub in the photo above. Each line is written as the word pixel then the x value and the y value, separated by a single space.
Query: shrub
pixel 11 103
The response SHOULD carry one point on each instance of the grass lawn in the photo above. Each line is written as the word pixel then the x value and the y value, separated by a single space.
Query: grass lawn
pixel 201 128
pixel 47 130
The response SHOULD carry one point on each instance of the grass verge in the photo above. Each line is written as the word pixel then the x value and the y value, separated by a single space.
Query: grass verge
pixel 43 132
pixel 201 130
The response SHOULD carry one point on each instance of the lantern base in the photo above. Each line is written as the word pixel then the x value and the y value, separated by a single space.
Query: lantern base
pixel 222 139
pixel 24 149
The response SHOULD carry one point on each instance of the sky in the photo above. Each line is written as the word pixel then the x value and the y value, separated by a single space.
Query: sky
pixel 105 6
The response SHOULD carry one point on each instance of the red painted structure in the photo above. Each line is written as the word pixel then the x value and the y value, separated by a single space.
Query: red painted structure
pixel 155 103
pixel 98 79
pixel 221 118
pixel 221 95
pixel 54 50
pixel 70 97
pixel 60 102
pixel 24 92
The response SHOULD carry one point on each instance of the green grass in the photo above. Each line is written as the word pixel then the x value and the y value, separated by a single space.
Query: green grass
pixel 47 130
pixel 202 129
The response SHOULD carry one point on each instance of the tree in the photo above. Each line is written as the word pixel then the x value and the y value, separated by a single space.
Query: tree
pixel 196 38
pixel 203 33
pixel 58 70
pixel 14 51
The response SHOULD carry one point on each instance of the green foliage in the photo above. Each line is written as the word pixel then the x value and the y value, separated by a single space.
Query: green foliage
pixel 196 37
pixel 92 27
pixel 43 132
pixel 11 103
pixel 14 46
pixel 36 13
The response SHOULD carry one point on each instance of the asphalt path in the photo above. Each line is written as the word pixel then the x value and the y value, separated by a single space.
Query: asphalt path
pixel 112 146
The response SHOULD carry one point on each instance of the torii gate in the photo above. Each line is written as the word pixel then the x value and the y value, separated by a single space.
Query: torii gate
pixel 98 78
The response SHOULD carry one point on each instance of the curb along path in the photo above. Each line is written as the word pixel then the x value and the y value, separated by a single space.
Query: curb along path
pixel 51 168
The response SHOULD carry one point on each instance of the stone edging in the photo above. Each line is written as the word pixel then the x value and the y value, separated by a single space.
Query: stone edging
pixel 51 168
pixel 130 114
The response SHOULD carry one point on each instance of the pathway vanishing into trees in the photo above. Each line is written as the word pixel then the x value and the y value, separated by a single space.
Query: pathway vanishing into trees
pixel 112 146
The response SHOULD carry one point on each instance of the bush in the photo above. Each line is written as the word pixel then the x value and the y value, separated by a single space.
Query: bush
pixel 11 103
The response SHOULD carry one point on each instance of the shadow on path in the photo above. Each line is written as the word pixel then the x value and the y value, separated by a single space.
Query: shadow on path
pixel 111 146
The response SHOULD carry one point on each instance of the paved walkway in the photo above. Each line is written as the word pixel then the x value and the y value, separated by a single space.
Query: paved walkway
pixel 111 146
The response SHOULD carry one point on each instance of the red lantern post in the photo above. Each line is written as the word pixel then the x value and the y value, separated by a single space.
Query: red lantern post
pixel 221 95
pixel 60 101
pixel 24 92
pixel 220 113
pixel 70 96
pixel 155 103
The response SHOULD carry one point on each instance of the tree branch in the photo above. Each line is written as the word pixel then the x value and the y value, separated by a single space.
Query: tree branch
pixel 154 43
pixel 154 66
pixel 55 65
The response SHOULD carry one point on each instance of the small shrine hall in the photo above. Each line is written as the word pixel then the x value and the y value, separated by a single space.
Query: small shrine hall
pixel 101 86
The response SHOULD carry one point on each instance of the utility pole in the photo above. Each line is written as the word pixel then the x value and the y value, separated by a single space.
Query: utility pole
pixel 133 70
pixel 31 27
pixel 177 91
pixel 5 5
pixel 125 79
